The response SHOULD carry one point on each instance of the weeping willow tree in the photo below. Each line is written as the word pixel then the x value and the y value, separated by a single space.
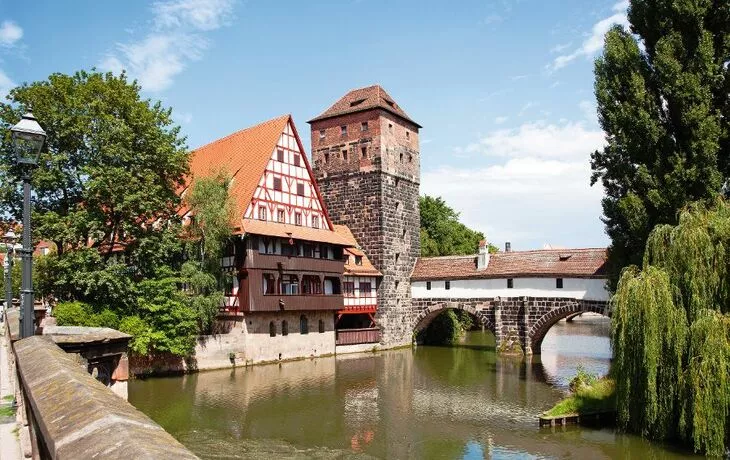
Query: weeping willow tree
pixel 671 334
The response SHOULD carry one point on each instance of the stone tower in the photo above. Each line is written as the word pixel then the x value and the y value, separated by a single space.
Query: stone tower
pixel 366 161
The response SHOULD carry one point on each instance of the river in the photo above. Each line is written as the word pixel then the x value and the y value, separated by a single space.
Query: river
pixel 461 402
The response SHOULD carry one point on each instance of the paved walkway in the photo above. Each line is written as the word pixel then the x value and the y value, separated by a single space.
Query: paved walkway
pixel 9 443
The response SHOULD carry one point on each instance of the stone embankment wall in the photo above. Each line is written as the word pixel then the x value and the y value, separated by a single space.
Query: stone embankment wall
pixel 71 415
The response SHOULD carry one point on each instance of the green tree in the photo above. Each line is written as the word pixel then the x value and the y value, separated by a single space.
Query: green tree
pixel 671 334
pixel 662 100
pixel 441 232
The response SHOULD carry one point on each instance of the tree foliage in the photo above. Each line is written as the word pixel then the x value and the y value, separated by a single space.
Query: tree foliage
pixel 662 100
pixel 441 232
pixel 671 333
pixel 213 211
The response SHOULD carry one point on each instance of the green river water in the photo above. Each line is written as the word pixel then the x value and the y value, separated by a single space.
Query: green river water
pixel 461 402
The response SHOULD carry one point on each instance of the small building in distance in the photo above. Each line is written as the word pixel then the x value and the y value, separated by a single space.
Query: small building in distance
pixel 544 273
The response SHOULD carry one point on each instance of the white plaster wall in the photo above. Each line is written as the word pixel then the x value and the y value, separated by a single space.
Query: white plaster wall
pixel 578 288
pixel 260 347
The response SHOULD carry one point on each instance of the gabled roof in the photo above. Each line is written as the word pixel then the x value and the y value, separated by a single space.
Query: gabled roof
pixel 361 99
pixel 243 155
pixel 560 263
pixel 351 268
pixel 298 232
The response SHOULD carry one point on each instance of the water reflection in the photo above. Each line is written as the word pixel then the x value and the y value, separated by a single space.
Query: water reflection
pixel 431 402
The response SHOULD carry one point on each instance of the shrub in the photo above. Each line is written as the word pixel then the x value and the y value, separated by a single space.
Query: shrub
pixel 72 314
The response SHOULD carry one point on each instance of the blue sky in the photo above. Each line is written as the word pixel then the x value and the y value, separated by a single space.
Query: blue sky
pixel 503 88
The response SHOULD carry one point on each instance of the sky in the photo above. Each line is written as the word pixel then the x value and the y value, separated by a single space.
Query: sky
pixel 502 88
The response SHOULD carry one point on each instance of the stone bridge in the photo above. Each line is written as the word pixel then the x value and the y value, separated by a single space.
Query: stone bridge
pixel 518 323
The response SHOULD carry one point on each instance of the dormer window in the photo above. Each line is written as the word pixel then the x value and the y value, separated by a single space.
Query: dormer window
pixel 358 260
pixel 357 102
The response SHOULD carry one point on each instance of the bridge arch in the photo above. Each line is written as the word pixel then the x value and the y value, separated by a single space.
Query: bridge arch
pixel 429 312
pixel 540 328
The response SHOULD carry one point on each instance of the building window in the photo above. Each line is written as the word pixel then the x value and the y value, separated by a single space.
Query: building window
pixel 298 218
pixel 510 283
pixel 364 126
pixel 289 285
pixel 280 216
pixel 272 329
pixel 428 285
pixel 397 256
pixel 447 285
pixel 269 283
pixel 344 155
pixel 300 189
pixel 315 222
pixel 321 133
pixel 326 157
pixel 262 212
pixel 321 326
pixel 277 183
pixel 408 134
pixel 410 158
pixel 296 160
pixel 559 283
pixel 364 152
pixel 280 155
pixel 311 284
pixel 303 325
pixel 365 289
pixel 343 130
pixel 390 127
pixel 358 260
pixel 348 288
pixel 284 328
pixel 401 158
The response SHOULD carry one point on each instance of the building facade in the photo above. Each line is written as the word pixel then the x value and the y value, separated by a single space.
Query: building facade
pixel 366 161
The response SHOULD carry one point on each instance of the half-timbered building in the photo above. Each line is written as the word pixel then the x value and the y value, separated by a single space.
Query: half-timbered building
pixel 287 260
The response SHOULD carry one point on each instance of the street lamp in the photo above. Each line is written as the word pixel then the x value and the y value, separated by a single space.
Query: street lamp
pixel 28 138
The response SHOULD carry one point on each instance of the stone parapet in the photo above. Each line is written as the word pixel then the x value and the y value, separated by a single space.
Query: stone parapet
pixel 74 416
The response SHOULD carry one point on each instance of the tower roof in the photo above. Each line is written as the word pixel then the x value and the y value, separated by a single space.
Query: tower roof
pixel 362 99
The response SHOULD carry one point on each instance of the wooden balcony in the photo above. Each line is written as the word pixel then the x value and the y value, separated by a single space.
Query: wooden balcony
pixel 357 336
pixel 281 302
pixel 291 264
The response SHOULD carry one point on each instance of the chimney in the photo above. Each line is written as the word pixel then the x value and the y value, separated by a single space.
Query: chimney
pixel 507 247
pixel 483 257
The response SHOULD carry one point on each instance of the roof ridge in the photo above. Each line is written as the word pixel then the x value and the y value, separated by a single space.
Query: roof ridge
pixel 463 256
pixel 220 139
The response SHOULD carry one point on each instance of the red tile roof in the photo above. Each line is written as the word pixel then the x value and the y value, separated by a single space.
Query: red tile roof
pixel 361 99
pixel 366 268
pixel 567 263
pixel 243 155
pixel 260 227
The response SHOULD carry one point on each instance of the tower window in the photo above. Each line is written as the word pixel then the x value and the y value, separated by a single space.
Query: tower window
pixel 277 183
pixel 559 283
pixel 364 126
pixel 296 160
pixel 343 130
pixel 408 134
pixel 344 155
pixel 390 127
pixel 401 158
pixel 280 216
pixel 397 256
pixel 321 133
pixel 300 189
pixel 364 151
pixel 280 155
pixel 262 212
pixel 410 158
pixel 447 285
pixel 326 157
pixel 428 285
pixel 510 283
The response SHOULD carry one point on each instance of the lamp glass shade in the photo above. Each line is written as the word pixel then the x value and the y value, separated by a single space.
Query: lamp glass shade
pixel 28 138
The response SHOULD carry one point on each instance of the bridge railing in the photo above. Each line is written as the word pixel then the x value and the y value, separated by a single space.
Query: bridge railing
pixel 71 415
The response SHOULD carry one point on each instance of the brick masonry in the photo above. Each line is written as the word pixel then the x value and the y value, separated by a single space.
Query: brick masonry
pixel 369 179
pixel 518 323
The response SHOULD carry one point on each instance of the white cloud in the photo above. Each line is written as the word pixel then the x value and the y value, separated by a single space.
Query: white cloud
pixel 500 120
pixel 526 107
pixel 10 33
pixel 6 84
pixel 540 140
pixel 175 40
pixel 589 110
pixel 184 117
pixel 537 191
pixel 594 42
pixel 560 47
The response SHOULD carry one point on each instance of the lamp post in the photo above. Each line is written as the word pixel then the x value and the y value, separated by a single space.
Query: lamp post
pixel 28 138
pixel 9 239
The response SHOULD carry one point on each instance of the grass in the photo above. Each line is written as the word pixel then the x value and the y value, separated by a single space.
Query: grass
pixel 7 411
pixel 8 398
pixel 599 396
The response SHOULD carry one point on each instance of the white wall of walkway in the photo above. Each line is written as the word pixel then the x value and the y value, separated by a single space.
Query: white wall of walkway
pixel 577 288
